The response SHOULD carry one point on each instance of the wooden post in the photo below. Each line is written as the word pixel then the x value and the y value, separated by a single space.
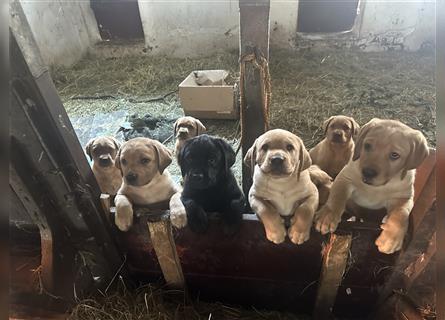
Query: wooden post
pixel 335 258
pixel 105 201
pixel 254 33
pixel 160 232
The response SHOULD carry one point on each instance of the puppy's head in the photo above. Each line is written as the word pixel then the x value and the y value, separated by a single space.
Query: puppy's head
pixel 340 129
pixel 205 160
pixel 278 153
pixel 102 150
pixel 188 127
pixel 387 148
pixel 142 159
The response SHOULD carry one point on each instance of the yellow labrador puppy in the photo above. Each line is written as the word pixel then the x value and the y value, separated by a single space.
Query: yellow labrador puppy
pixel 186 128
pixel 146 181
pixel 282 186
pixel 380 175
pixel 336 149
pixel 102 151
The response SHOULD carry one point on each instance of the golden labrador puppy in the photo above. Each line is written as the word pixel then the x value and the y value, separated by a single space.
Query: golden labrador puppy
pixel 146 181
pixel 102 151
pixel 336 149
pixel 186 128
pixel 282 186
pixel 380 175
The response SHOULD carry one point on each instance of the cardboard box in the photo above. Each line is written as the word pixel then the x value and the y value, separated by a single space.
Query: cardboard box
pixel 208 101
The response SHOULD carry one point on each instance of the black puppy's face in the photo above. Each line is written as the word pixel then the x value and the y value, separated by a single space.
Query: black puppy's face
pixel 204 160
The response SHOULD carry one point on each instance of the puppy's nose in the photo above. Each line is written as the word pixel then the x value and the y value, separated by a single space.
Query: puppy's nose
pixel 197 176
pixel 337 134
pixel 369 173
pixel 131 177
pixel 104 161
pixel 276 160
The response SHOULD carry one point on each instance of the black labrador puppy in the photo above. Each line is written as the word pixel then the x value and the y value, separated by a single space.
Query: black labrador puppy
pixel 209 184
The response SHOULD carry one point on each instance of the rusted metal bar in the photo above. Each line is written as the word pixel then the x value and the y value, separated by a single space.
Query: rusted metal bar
pixel 254 43
pixel 335 259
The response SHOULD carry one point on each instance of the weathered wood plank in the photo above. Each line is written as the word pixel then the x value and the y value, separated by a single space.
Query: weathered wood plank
pixel 335 258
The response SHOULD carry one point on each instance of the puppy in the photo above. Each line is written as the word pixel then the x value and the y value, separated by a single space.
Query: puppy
pixel 282 186
pixel 209 184
pixel 186 128
pixel 146 181
pixel 380 175
pixel 322 181
pixel 336 149
pixel 102 151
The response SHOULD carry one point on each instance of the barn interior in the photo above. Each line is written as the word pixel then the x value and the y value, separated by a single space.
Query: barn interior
pixel 114 63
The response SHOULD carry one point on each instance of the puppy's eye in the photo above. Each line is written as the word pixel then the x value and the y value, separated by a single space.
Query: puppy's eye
pixel 367 147
pixel 265 147
pixel 212 161
pixel 145 160
pixel 290 147
pixel 124 162
pixel 394 156
pixel 346 128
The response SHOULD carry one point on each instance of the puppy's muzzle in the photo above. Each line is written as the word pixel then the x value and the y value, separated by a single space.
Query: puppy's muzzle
pixel 197 177
pixel 368 175
pixel 337 136
pixel 182 133
pixel 276 163
pixel 104 161
pixel 131 178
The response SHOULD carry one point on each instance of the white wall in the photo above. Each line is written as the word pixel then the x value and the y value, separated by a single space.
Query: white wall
pixel 63 30
pixel 202 27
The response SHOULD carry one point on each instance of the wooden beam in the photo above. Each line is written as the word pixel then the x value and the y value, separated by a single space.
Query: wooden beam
pixel 254 43
pixel 335 258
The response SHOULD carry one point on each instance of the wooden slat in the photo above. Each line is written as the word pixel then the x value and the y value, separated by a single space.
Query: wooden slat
pixel 423 202
pixel 335 258
pixel 423 173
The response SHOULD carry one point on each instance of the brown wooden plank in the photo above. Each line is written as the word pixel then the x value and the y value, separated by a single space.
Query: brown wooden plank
pixel 423 173
pixel 335 258
pixel 105 201
pixel 423 202
pixel 254 40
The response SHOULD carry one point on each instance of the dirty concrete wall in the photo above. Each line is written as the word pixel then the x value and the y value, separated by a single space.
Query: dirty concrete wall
pixel 194 28
pixel 64 30
pixel 406 25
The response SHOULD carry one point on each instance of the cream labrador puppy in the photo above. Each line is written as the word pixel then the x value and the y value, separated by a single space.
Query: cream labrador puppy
pixel 282 186
pixel 380 175
pixel 146 181
pixel 186 128
pixel 335 150
pixel 102 151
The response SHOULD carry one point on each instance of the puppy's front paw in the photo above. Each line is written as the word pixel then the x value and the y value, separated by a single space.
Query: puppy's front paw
pixel 124 217
pixel 276 235
pixel 178 215
pixel 390 239
pixel 299 233
pixel 196 216
pixel 326 220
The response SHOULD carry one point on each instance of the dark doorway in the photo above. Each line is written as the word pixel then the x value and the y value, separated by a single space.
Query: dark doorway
pixel 326 15
pixel 118 19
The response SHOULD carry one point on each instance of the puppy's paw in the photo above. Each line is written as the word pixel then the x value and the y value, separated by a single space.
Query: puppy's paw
pixel 297 236
pixel 178 215
pixel 276 235
pixel 326 220
pixel 196 217
pixel 390 239
pixel 124 217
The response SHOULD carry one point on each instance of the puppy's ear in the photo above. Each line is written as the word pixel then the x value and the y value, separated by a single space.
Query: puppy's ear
pixel 326 124
pixel 117 160
pixel 354 126
pixel 227 152
pixel 88 148
pixel 163 154
pixel 250 157
pixel 418 152
pixel 361 136
pixel 200 128
pixel 117 144
pixel 304 159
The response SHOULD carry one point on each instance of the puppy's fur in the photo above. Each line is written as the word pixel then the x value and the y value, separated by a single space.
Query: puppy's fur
pixel 102 151
pixel 336 149
pixel 209 184
pixel 186 128
pixel 322 181
pixel 380 175
pixel 146 181
pixel 282 185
